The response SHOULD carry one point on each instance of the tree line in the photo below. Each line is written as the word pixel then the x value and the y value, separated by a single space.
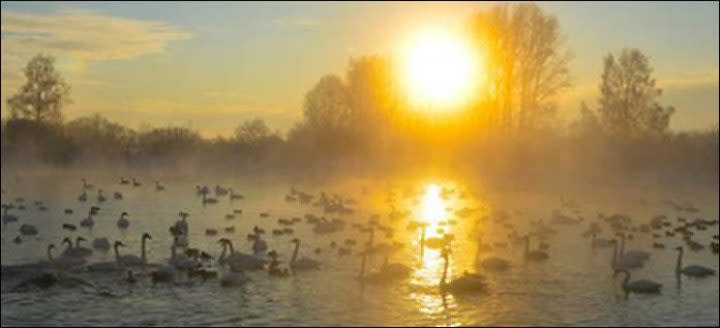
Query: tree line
pixel 361 117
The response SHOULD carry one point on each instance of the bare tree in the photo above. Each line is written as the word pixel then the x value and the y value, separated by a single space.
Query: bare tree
pixel 628 97
pixel 44 93
pixel 252 132
pixel 526 63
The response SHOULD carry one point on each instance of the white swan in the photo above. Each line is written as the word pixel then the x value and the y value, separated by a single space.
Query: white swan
pixel 468 283
pixel 233 278
pixel 533 255
pixel 182 261
pixel 89 222
pixel 691 270
pixel 600 242
pixel 64 262
pixel 116 265
pixel 134 260
pixel 28 230
pixel 638 286
pixel 621 262
pixel 237 260
pixel 397 270
pixel 379 277
pixel 100 197
pixel 8 218
pixel 77 251
pixel 304 263
pixel 635 254
pixel 259 245
pixel 123 222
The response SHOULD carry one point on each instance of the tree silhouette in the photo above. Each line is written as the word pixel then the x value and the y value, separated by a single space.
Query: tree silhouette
pixel 526 63
pixel 628 100
pixel 44 93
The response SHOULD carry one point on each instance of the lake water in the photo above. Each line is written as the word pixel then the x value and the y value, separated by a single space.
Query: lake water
pixel 574 287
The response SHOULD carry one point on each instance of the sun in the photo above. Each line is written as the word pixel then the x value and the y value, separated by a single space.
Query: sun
pixel 439 70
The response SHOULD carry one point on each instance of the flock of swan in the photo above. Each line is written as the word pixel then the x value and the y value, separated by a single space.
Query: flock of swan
pixel 230 267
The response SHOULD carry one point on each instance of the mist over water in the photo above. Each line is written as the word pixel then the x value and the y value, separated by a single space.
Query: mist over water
pixel 574 287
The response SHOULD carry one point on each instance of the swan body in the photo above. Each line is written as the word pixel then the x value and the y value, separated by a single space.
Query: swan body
pixel 239 261
pixel 495 264
pixel 133 260
pixel 28 230
pixel 638 286
pixel 77 251
pixel 622 262
pixel 534 255
pixel 89 222
pixel 691 270
pixel 304 263
pixel 123 222
pixel 467 283
pixel 233 279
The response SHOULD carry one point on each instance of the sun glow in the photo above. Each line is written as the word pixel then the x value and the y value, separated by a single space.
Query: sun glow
pixel 440 70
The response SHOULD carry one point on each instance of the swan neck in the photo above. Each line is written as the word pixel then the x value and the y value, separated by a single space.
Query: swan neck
pixel 362 265
pixel 49 254
pixel 117 252
pixel 678 267
pixel 222 255
pixel 445 269
pixel 614 257
pixel 142 251
pixel 295 252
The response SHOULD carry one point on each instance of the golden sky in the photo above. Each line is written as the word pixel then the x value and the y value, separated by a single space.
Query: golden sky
pixel 211 66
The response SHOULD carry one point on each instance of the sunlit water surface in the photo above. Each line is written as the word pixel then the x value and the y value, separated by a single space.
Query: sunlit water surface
pixel 574 287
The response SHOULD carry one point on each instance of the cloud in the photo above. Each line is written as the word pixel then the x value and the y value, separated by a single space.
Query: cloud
pixel 84 36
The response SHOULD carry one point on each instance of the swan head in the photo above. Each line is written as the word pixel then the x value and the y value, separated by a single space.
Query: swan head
pixel 618 271
pixel 295 240
pixel 79 239
pixel 146 235
pixel 223 241
pixel 67 240
pixel 51 246
pixel 679 248
pixel 119 244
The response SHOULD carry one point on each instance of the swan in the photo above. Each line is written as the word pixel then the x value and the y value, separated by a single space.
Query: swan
pixel 70 227
pixel 533 255
pixel 181 226
pixel 374 277
pixel 182 261
pixel 158 186
pixel 259 245
pixel 28 230
pixel 273 269
pixel 691 270
pixel 621 262
pixel 123 222
pixel 89 222
pixel 397 270
pixel 87 186
pixel 118 195
pixel 232 279
pixel 134 260
pixel 492 263
pixel 124 181
pixel 100 197
pixel 76 251
pixel 116 265
pixel 638 286
pixel 136 183
pixel 600 242
pixel 83 197
pixel 639 255
pixel 8 218
pixel 102 244
pixel 237 260
pixel 64 262
pixel 468 283
pixel 304 263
